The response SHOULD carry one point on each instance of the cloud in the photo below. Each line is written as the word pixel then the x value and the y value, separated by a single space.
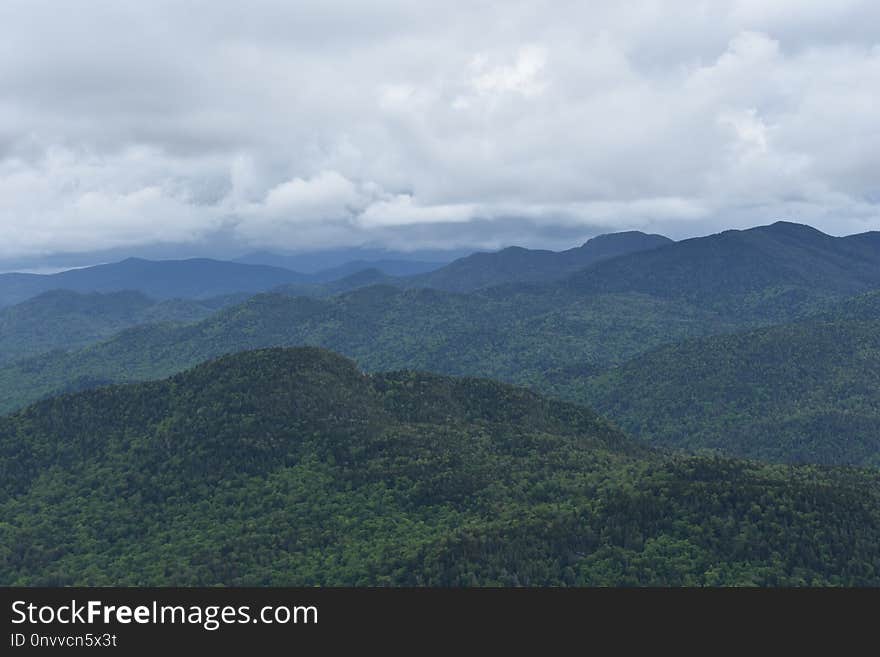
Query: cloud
pixel 522 77
pixel 292 125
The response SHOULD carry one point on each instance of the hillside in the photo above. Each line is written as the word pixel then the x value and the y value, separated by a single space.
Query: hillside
pixel 804 392
pixel 197 278
pixel 61 319
pixel 520 338
pixel 291 467
pixel 863 307
pixel 518 265
pixel 767 273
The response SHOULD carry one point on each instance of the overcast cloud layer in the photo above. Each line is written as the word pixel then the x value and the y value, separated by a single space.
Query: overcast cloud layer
pixel 420 124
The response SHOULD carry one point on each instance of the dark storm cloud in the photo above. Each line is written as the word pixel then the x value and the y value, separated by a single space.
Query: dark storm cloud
pixel 314 124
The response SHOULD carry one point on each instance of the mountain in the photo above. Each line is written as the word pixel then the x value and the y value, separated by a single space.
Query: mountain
pixel 516 264
pixel 387 267
pixel 802 392
pixel 292 467
pixel 769 273
pixel 324 263
pixel 61 319
pixel 165 279
pixel 528 339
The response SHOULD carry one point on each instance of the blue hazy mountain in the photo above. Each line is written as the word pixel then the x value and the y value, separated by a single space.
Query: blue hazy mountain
pixel 768 271
pixel 396 263
pixel 516 264
pixel 395 268
pixel 308 273
pixel 196 278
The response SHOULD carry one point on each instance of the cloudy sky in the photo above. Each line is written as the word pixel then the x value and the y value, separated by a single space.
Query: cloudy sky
pixel 305 124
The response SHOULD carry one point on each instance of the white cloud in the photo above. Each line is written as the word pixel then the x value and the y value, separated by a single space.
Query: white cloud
pixel 346 122
pixel 522 76
pixel 326 196
pixel 402 210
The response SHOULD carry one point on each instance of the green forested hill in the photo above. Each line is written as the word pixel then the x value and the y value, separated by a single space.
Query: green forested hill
pixel 62 319
pixel 864 307
pixel 526 338
pixel 807 392
pixel 286 467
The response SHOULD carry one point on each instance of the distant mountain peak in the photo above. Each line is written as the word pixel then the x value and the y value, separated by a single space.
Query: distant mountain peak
pixel 789 228
pixel 625 235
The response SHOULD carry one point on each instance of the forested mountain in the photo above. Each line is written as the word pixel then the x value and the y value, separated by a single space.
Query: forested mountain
pixel 323 262
pixel 803 392
pixel 516 264
pixel 525 338
pixel 198 278
pixel 768 273
pixel 291 467
pixel 61 319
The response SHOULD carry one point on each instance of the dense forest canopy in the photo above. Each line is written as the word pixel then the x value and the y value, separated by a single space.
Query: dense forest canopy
pixel 803 392
pixel 291 466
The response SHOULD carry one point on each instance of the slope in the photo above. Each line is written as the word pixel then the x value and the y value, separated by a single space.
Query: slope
pixel 803 392
pixel 291 467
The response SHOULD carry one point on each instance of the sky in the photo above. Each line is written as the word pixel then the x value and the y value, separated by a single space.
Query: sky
pixel 430 125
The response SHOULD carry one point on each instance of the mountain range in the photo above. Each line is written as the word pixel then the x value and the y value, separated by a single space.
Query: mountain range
pixel 757 344
pixel 200 278
pixel 285 464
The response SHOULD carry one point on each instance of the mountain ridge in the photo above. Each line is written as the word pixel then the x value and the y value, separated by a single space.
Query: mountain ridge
pixel 516 264
pixel 67 320
pixel 767 271
pixel 163 279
